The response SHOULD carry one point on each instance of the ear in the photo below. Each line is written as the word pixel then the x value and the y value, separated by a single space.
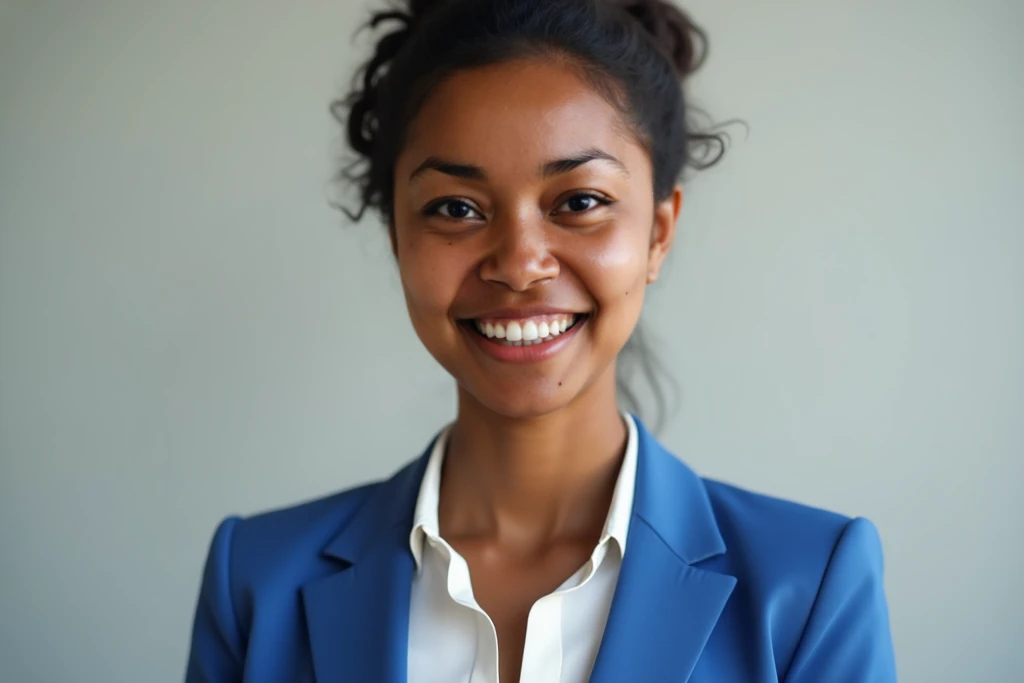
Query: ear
pixel 666 213
pixel 393 238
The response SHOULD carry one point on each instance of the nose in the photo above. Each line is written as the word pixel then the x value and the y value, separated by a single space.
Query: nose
pixel 519 256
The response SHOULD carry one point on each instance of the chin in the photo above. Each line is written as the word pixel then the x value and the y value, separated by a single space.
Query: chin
pixel 521 405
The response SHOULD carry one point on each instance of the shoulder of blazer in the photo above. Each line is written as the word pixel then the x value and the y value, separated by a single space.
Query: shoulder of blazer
pixel 813 578
pixel 785 535
pixel 310 524
pixel 780 553
pixel 273 553
pixel 276 552
pixel 285 545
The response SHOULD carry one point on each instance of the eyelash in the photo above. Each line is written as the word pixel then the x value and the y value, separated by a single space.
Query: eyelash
pixel 434 208
pixel 600 200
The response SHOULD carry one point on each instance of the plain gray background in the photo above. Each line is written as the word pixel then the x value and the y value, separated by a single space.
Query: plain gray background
pixel 189 331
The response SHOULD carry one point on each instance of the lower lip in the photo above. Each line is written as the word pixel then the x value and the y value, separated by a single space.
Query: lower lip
pixel 523 354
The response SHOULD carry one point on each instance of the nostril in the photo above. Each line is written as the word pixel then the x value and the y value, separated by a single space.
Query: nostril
pixel 519 267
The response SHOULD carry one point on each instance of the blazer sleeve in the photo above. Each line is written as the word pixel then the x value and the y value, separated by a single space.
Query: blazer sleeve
pixel 217 652
pixel 847 638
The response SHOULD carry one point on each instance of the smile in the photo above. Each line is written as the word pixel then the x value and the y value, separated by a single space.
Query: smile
pixel 525 331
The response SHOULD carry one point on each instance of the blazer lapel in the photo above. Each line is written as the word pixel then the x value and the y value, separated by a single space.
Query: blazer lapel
pixel 358 617
pixel 665 607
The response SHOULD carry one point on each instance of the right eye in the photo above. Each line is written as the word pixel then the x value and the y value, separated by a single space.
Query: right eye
pixel 455 209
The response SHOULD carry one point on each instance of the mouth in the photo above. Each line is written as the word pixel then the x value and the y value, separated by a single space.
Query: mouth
pixel 524 339
pixel 531 331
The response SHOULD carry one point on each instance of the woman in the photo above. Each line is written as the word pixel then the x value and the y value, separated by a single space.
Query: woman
pixel 525 156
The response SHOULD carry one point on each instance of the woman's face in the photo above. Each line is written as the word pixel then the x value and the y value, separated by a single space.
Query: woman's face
pixel 526 233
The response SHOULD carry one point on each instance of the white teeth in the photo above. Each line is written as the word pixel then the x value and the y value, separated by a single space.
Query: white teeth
pixel 526 332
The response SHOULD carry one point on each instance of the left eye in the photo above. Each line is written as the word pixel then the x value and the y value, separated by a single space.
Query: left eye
pixel 580 203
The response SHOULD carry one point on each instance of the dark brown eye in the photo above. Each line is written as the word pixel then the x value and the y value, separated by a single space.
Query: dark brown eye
pixel 455 209
pixel 581 203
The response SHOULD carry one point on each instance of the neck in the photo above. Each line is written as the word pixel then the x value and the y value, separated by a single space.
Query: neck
pixel 537 479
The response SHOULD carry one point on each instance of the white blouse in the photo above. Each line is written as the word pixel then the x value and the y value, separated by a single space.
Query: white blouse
pixel 452 640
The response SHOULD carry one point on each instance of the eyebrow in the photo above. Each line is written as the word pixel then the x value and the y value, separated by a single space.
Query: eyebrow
pixel 551 168
pixel 465 171
pixel 568 164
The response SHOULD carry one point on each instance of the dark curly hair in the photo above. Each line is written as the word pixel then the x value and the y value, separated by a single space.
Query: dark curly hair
pixel 636 53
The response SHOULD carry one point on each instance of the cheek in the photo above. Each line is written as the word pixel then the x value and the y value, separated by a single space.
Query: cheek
pixel 615 270
pixel 431 274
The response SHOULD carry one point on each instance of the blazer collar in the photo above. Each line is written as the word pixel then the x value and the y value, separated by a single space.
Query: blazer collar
pixel 358 617
pixel 390 505
pixel 665 606
pixel 662 614
pixel 672 500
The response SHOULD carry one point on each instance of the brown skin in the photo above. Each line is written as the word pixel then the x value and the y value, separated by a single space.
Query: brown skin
pixel 536 448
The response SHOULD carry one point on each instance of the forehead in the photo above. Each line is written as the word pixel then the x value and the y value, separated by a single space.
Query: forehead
pixel 517 114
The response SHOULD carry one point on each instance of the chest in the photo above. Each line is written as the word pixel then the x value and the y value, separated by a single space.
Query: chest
pixel 508 592
pixel 506 586
pixel 507 619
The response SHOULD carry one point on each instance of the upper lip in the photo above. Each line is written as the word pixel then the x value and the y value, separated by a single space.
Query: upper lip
pixel 517 313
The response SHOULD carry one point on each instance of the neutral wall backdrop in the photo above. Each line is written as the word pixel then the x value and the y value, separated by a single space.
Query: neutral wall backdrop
pixel 187 330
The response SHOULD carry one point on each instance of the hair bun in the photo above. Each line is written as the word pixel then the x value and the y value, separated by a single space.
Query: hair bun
pixel 682 42
pixel 420 8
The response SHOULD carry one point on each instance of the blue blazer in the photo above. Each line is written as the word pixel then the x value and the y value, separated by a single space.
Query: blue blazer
pixel 718 585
